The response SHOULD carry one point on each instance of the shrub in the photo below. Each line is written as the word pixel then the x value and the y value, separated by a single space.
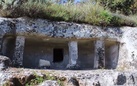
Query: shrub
pixel 123 6
pixel 106 17
pixel 37 80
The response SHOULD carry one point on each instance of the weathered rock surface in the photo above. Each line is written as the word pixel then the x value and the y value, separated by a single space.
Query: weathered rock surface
pixel 126 36
pixel 45 28
pixel 128 49
pixel 15 77
pixel 125 73
pixel 72 82
pixel 73 78
pixel 4 62
pixel 49 83
pixel 100 78
pixel 73 67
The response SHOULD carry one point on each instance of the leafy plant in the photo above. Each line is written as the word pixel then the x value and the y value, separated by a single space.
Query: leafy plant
pixel 106 17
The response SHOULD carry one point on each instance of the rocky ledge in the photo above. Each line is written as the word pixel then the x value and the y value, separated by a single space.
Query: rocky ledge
pixel 19 77
pixel 46 28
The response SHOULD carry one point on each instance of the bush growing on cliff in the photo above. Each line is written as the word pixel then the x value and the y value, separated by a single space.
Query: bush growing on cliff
pixel 98 13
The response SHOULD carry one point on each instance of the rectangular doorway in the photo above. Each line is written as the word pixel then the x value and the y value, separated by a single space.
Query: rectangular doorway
pixel 57 55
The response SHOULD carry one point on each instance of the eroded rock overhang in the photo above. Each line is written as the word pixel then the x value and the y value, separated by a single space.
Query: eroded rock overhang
pixel 45 28
pixel 24 28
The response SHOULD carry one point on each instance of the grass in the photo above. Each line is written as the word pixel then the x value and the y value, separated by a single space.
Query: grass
pixel 88 13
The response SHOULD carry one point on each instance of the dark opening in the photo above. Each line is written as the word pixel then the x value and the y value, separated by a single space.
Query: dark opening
pixel 8 46
pixel 57 55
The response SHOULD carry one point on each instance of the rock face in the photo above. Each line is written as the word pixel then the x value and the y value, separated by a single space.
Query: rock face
pixel 128 49
pixel 49 83
pixel 99 78
pixel 45 28
pixel 19 77
pixel 124 54
pixel 4 62
pixel 73 82
pixel 113 47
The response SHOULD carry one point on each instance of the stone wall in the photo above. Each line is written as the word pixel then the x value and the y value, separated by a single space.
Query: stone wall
pixel 86 54
pixel 36 49
pixel 111 54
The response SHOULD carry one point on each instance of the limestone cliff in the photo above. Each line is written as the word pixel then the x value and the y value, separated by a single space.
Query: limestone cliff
pixel 26 27
pixel 101 47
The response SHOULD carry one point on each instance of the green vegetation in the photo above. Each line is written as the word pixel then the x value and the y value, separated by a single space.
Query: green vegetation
pixel 101 12
pixel 38 79
pixel 35 81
